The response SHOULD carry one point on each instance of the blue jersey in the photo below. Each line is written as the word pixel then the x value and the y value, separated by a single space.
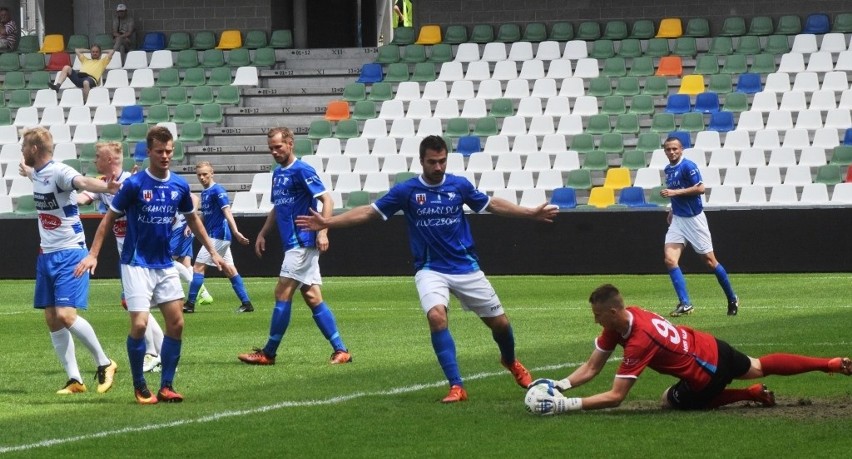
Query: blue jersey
pixel 294 191
pixel 439 234
pixel 150 205
pixel 213 200
pixel 682 175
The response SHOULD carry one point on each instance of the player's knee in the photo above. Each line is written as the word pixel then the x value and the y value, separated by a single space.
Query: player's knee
pixel 664 400
pixel 437 317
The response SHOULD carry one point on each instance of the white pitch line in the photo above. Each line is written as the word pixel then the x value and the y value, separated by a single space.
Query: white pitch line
pixel 261 409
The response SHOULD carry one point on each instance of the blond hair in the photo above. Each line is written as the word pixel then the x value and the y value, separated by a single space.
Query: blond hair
pixel 40 138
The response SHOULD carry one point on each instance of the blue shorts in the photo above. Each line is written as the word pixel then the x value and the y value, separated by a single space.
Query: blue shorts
pixel 55 282
pixel 78 79
pixel 179 244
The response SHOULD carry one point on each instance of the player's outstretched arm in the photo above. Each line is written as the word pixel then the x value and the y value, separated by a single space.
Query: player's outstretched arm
pixel 81 182
pixel 354 217
pixel 91 261
pixel 197 227
pixel 543 213
pixel 235 232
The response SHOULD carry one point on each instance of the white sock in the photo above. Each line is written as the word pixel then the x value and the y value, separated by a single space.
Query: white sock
pixel 82 330
pixel 153 336
pixel 64 347
pixel 184 272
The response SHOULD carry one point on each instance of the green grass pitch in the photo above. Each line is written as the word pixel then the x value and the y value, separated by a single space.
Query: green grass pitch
pixel 385 403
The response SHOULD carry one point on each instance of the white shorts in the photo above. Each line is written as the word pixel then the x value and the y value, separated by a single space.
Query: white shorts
pixel 473 290
pixel 146 287
pixel 693 230
pixel 223 248
pixel 302 264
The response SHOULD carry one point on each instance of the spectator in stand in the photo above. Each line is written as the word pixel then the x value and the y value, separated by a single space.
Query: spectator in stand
pixel 8 31
pixel 123 30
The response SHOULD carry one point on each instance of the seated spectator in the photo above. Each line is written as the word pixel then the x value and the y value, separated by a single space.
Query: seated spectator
pixel 91 70
pixel 8 31
pixel 123 30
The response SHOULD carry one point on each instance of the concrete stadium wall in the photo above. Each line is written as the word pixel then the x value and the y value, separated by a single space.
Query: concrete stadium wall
pixel 446 12
pixel 579 242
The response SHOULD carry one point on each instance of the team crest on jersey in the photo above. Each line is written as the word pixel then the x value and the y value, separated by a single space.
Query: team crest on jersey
pixel 147 195
pixel 174 195
pixel 421 198
pixel 451 195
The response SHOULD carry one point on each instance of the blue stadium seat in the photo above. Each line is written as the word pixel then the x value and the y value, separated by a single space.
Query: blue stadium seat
pixel 131 114
pixel 817 23
pixel 154 41
pixel 721 122
pixel 847 138
pixel 633 196
pixel 565 198
pixel 469 144
pixel 678 104
pixel 749 83
pixel 706 102
pixel 370 73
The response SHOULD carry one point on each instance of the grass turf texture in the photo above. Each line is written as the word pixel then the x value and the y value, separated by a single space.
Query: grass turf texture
pixel 385 404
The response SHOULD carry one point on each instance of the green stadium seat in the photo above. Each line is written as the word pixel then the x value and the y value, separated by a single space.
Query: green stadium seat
pixel 561 31
pixel 627 86
pixel 175 95
pixel 111 133
pixel 380 91
pixel 213 58
pixel 647 142
pixel 485 126
pixel 353 92
pixel 662 123
pixel 219 76
pixel 403 36
pixel 656 86
pixel 9 62
pixel 761 25
pixel 789 25
pixel 186 58
pixel 657 47
pixel 137 132
pixel 733 26
pixel 579 179
pixel 842 23
pixel 482 33
pixel 302 147
pixel 29 44
pixel 455 34
pixel 77 41
pixel 706 65
pixel 721 46
pixel 777 45
pixel 583 143
pixel 588 31
pixel 615 30
pixel 734 64
pixel 535 32
pixel 748 44
pixel 502 107
pixel 602 49
pixel 721 83
pixel 347 129
pixel 595 160
pixel 192 132
pixel 697 27
pixel 364 110
pixel 319 129
pixel 613 105
pixel 20 98
pixel 841 155
pixel 508 33
pixel 5 116
pixel 33 62
pixel 654 197
pixel 633 160
pixel 598 124
pixel 104 40
pixel 643 29
pixel 685 47
pixel 387 54
pixel 255 39
pixel 627 123
pixel 763 63
pixel 168 78
pixel 599 87
pixel 38 80
pixel 423 72
pixel 281 39
pixel 630 47
pixel 239 57
pixel 203 40
pixel 641 67
pixel 397 72
pixel 228 95
pixel 829 174
pixel 211 113
pixel 201 95
pixel 736 102
pixel 414 54
pixel 692 122
pixel 150 96
pixel 642 104
pixel 614 67
pixel 194 77
pixel 612 143
pixel 440 53
pixel 457 127
pixel 178 41
pixel 264 57
pixel 158 114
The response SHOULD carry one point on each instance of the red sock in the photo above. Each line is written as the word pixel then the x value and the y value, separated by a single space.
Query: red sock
pixel 729 396
pixel 791 364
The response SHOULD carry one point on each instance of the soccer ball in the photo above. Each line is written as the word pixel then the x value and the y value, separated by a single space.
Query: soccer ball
pixel 540 398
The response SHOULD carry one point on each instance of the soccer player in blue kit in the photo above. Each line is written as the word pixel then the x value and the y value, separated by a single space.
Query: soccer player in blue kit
pixel 63 244
pixel 295 189
pixel 150 199
pixel 444 255
pixel 221 227
pixel 688 224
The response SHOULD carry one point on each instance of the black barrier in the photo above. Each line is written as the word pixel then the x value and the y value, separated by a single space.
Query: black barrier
pixel 578 242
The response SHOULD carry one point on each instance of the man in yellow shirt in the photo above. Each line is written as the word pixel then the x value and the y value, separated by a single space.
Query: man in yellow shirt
pixel 91 70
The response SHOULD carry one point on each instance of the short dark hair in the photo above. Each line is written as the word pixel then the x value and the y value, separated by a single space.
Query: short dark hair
pixel 432 142
pixel 673 139
pixel 96 46
pixel 3 8
pixel 603 294
pixel 160 134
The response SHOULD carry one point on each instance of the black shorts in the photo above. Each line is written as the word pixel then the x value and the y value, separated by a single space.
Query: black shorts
pixel 732 364
pixel 79 77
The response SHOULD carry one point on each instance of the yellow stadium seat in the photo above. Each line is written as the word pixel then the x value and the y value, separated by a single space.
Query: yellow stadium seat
pixel 230 39
pixel 692 85
pixel 601 197
pixel 670 28
pixel 54 43
pixel 429 35
pixel 617 178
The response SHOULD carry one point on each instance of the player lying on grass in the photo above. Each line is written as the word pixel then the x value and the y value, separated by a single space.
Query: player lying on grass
pixel 704 364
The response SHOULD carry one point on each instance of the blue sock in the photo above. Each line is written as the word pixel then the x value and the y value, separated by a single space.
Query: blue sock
pixel 679 284
pixel 722 277
pixel 169 356
pixel 327 325
pixel 445 350
pixel 136 355
pixel 239 288
pixel 195 286
pixel 506 343
pixel 277 327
